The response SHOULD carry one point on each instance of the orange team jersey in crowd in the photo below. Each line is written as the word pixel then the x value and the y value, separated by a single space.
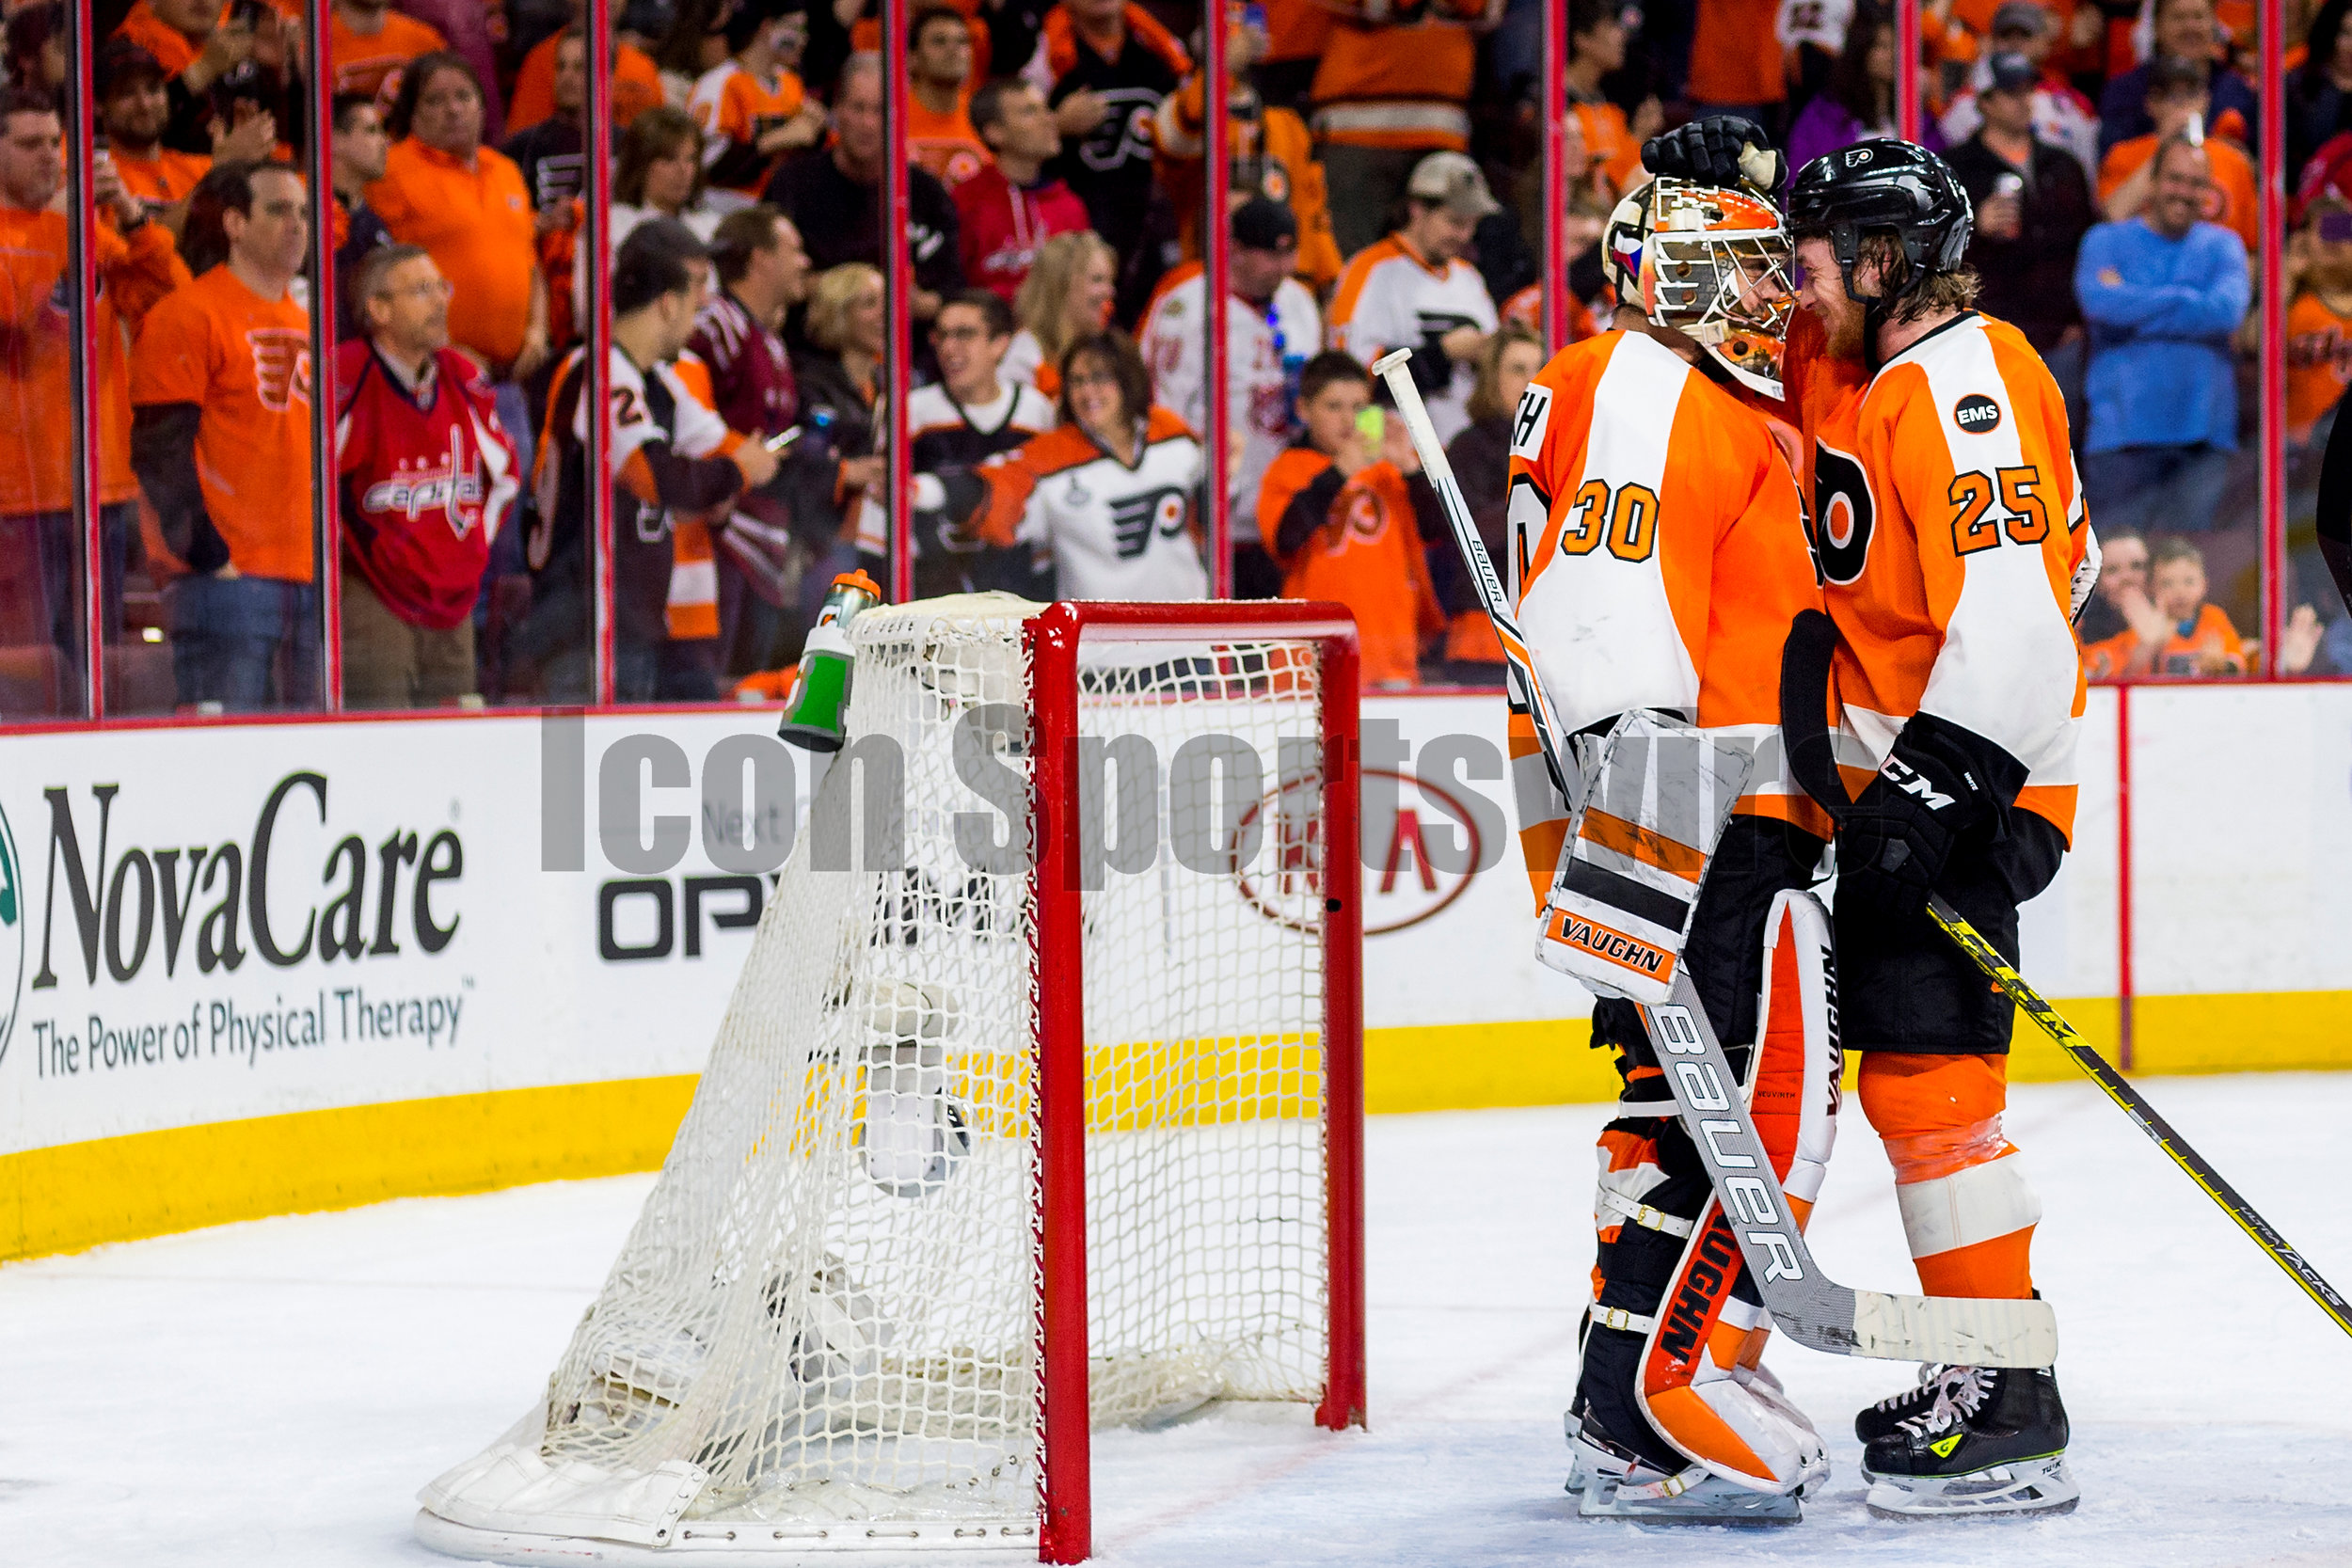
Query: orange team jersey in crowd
pixel 163 180
pixel 363 60
pixel 692 612
pixel 1609 141
pixel 1734 53
pixel 170 46
pixel 1383 84
pixel 2208 645
pixel 2230 198
pixel 1947 519
pixel 636 86
pixel 866 38
pixel 2319 361
pixel 1658 545
pixel 38 430
pixel 246 362
pixel 1295 30
pixel 946 144
pixel 1273 155
pixel 477 225
pixel 1367 555
pixel 1526 309
pixel 733 106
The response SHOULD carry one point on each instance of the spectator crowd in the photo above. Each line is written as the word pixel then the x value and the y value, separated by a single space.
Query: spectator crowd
pixel 1385 192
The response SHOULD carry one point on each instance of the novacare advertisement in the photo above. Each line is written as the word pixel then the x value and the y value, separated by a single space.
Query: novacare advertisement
pixel 208 924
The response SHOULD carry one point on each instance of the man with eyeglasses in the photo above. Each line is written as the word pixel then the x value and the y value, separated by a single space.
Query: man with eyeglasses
pixel 970 415
pixel 425 476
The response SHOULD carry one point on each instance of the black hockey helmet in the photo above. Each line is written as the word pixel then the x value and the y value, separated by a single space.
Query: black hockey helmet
pixel 1883 186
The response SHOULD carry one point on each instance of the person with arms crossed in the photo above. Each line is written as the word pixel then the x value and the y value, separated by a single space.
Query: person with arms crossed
pixel 1952 540
pixel 1272 330
pixel 1416 290
pixel 1657 554
pixel 424 474
pixel 221 387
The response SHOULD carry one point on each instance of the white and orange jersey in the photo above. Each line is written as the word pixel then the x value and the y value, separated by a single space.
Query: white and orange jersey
pixel 1116 531
pixel 1658 553
pixel 733 107
pixel 1949 527
pixel 1390 296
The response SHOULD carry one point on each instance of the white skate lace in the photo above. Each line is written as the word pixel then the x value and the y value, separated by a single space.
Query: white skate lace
pixel 1928 1375
pixel 1960 1392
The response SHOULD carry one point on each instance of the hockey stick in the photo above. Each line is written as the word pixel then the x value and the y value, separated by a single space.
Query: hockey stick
pixel 1812 1309
pixel 1804 730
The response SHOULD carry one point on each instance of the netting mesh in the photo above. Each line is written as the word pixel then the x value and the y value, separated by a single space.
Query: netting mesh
pixel 829 1305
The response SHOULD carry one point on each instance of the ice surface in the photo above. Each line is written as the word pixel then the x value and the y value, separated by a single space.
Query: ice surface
pixel 277 1392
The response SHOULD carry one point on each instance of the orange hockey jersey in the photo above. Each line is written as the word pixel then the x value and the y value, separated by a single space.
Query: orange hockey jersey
pixel 1949 527
pixel 1657 554
pixel 1366 554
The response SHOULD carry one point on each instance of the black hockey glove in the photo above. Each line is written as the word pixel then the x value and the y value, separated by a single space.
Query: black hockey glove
pixel 1720 149
pixel 1939 782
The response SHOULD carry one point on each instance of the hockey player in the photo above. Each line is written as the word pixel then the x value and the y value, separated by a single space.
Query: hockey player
pixel 1950 530
pixel 1658 555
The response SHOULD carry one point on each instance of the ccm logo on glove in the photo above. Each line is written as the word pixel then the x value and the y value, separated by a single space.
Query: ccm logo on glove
pixel 1907 779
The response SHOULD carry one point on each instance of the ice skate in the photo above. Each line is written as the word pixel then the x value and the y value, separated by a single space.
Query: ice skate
pixel 1988 1441
pixel 1612 1483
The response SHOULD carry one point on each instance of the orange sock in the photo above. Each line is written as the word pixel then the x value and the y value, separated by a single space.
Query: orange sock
pixel 1967 1208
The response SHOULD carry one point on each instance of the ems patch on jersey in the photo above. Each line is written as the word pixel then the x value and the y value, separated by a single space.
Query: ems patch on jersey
pixel 1977 414
pixel 1529 424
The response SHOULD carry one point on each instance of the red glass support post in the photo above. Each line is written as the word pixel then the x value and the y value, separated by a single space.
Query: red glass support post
pixel 1065 1513
pixel 2271 37
pixel 597 255
pixel 1217 231
pixel 1907 68
pixel 1552 119
pixel 82 377
pixel 1346 1396
pixel 898 296
pixel 325 512
pixel 2124 1004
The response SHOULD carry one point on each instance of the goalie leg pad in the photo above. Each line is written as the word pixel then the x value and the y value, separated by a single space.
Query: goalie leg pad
pixel 1968 1210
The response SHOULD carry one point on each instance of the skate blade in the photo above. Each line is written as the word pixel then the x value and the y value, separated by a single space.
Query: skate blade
pixel 2029 1487
pixel 1713 1502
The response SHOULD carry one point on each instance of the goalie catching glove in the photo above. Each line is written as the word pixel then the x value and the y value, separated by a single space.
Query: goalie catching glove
pixel 1720 149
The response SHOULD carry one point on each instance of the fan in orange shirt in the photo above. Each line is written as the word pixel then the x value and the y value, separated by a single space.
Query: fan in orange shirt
pixel 40 527
pixel 1342 511
pixel 636 85
pixel 133 109
pixel 2319 323
pixel 939 123
pixel 367 42
pixel 2177 93
pixel 752 106
pixel 2187 635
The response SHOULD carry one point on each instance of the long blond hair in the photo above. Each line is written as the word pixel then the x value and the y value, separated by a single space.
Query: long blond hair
pixel 832 297
pixel 1043 300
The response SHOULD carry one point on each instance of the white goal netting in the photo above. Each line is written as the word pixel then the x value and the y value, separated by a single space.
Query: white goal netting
pixel 825 1323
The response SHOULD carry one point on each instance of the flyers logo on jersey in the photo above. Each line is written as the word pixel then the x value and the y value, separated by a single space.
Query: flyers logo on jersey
pixel 1135 518
pixel 281 366
pixel 1844 513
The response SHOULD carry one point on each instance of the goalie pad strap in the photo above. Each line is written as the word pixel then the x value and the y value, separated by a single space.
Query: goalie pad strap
pixel 1618 1317
pixel 1642 1214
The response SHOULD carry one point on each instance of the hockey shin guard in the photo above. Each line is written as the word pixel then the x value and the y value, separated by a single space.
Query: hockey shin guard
pixel 1968 1209
pixel 1672 1370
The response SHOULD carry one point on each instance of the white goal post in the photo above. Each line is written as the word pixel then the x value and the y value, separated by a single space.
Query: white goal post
pixel 1036 1108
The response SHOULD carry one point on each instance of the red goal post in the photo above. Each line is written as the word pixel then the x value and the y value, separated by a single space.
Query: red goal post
pixel 1052 639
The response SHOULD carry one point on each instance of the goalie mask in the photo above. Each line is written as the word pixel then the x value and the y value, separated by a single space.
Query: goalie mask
pixel 1712 264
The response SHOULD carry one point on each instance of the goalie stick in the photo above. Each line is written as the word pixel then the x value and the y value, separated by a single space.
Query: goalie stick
pixel 1805 1303
pixel 1805 667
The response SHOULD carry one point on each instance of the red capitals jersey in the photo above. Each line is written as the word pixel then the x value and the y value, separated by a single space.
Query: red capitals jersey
pixel 424 481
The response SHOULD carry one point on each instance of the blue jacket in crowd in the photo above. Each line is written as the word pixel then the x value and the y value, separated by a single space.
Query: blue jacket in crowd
pixel 2160 313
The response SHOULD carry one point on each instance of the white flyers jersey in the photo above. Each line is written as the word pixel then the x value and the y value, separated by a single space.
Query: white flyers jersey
pixel 1387 298
pixel 1174 340
pixel 1951 534
pixel 1115 531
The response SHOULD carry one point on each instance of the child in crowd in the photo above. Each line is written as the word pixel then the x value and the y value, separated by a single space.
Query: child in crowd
pixel 1342 508
pixel 2173 630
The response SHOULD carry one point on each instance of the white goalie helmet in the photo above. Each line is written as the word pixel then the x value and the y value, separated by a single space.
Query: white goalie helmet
pixel 1710 262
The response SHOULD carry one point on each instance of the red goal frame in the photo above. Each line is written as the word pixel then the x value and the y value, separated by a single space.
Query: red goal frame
pixel 1050 639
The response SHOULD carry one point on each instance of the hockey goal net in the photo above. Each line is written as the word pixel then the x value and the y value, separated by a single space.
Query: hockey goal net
pixel 1036 1108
